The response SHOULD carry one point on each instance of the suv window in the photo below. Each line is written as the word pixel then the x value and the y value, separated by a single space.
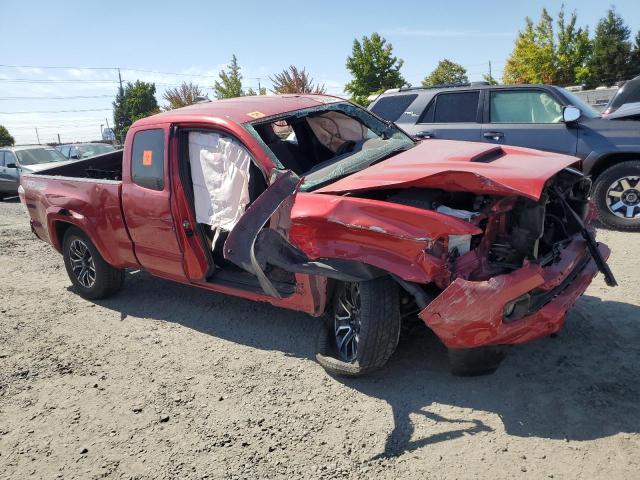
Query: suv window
pixel 526 106
pixel 456 107
pixel 147 159
pixel 1 158
pixel 391 108
pixel 9 157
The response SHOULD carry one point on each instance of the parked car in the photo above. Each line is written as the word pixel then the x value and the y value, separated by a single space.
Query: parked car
pixel 625 104
pixel 15 161
pixel 78 151
pixel 535 116
pixel 488 244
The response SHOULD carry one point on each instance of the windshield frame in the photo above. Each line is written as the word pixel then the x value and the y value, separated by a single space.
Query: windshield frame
pixel 575 101
pixel 29 163
pixel 373 122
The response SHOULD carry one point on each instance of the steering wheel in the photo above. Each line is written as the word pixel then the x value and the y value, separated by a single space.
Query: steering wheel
pixel 346 147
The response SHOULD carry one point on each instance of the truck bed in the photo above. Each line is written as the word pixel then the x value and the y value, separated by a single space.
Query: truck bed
pixel 86 194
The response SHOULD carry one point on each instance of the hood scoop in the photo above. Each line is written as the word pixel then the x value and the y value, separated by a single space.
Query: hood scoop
pixel 489 156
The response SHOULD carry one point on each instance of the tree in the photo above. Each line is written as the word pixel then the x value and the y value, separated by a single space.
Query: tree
pixel 490 79
pixel 572 51
pixel 611 56
pixel 185 94
pixel 230 84
pixel 635 57
pixel 446 73
pixel 6 140
pixel 533 56
pixel 294 80
pixel 137 100
pixel 252 93
pixel 374 68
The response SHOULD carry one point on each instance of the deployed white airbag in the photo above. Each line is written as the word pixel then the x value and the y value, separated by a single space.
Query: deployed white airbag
pixel 334 128
pixel 220 175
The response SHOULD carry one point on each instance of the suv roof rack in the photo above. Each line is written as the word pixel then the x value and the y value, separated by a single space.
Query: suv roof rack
pixel 444 85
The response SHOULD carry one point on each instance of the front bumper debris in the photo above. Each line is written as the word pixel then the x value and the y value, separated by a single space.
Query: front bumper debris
pixel 470 314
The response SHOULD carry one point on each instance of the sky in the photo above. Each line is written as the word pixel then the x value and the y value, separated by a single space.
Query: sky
pixel 190 40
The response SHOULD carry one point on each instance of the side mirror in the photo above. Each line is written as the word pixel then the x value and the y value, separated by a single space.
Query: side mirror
pixel 11 165
pixel 570 114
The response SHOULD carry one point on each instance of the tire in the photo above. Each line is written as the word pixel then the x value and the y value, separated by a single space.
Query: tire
pixel 93 278
pixel 472 362
pixel 612 181
pixel 378 328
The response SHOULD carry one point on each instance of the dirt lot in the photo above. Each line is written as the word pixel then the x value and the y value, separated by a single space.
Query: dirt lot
pixel 166 381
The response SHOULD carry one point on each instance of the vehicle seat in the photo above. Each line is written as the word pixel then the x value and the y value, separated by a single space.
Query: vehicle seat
pixel 285 151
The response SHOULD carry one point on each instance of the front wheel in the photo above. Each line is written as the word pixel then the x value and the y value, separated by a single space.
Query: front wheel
pixel 91 275
pixel 363 327
pixel 617 196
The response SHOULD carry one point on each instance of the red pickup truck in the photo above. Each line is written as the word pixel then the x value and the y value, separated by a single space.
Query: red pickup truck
pixel 311 203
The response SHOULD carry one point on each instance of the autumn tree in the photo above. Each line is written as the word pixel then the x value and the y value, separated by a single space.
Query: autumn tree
pixel 6 140
pixel 230 83
pixel 133 102
pixel 295 80
pixel 533 56
pixel 374 68
pixel 185 94
pixel 251 92
pixel 611 59
pixel 446 73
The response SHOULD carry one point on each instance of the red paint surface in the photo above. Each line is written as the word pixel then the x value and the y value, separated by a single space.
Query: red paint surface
pixel 470 314
pixel 449 165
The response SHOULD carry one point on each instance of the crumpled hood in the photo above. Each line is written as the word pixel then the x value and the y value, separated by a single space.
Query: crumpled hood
pixel 479 168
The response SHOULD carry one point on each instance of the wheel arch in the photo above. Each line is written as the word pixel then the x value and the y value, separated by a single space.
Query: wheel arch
pixel 609 160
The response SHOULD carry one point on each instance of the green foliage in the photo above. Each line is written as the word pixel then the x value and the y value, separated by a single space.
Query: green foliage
pixel 252 93
pixel 230 83
pixel 572 51
pixel 533 57
pixel 185 94
pixel 6 140
pixel 611 57
pixel 294 80
pixel 635 57
pixel 137 100
pixel 489 79
pixel 373 67
pixel 446 73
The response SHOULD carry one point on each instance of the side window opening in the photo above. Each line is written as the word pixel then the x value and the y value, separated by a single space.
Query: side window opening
pixel 147 159
pixel 456 107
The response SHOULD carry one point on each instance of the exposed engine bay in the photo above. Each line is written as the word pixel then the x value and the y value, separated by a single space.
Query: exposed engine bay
pixel 516 229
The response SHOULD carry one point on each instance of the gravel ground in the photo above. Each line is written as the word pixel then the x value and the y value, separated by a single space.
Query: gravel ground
pixel 167 381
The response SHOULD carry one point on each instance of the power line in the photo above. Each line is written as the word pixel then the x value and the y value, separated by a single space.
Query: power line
pixel 33 80
pixel 57 98
pixel 60 111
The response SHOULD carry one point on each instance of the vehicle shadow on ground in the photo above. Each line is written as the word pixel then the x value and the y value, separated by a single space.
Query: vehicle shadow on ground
pixel 582 384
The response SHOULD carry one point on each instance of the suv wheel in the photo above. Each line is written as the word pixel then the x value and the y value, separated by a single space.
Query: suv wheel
pixel 91 276
pixel 362 329
pixel 617 196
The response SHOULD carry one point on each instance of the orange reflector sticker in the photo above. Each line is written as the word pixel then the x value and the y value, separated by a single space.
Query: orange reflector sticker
pixel 147 158
pixel 256 114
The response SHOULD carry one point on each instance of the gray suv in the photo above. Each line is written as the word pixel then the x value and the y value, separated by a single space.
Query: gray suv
pixel 15 160
pixel 543 117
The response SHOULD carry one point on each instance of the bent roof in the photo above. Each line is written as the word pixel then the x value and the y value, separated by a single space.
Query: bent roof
pixel 242 109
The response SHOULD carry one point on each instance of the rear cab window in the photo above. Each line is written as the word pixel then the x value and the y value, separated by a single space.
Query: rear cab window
pixel 452 107
pixel 147 159
pixel 391 108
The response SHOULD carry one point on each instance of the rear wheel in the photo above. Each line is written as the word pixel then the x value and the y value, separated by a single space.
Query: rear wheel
pixel 92 277
pixel 362 329
pixel 617 196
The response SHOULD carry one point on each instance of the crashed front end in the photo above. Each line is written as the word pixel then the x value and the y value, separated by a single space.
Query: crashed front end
pixel 524 273
pixel 485 269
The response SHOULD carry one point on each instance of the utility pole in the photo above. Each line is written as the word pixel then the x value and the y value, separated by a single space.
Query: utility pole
pixel 37 135
pixel 108 128
pixel 120 80
pixel 490 77
pixel 59 142
pixel 101 125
